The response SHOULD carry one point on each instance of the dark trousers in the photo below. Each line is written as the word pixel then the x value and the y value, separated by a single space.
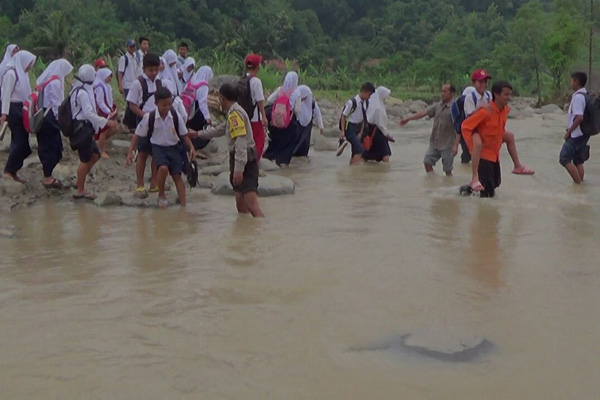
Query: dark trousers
pixel 197 123
pixel 465 157
pixel 19 143
pixel 50 144
pixel 129 118
pixel 303 143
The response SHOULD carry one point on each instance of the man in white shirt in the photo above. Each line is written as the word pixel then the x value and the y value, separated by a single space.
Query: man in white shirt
pixel 128 73
pixel 575 151
pixel 144 43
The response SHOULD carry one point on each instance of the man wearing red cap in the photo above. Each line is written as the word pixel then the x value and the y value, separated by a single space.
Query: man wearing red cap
pixel 476 97
pixel 258 117
pixel 99 64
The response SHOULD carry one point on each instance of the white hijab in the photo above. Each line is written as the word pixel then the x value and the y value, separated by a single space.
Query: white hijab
pixel 61 68
pixel 163 74
pixel 204 74
pixel 170 72
pixel 20 62
pixel 305 95
pixel 376 114
pixel 100 80
pixel 187 75
pixel 7 57
pixel 85 78
pixel 290 83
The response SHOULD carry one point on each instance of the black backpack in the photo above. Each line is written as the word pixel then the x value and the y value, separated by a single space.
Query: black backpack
pixel 245 95
pixel 66 119
pixel 145 93
pixel 591 115
pixel 354 107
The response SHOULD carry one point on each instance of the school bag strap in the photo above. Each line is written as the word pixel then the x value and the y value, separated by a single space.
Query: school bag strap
pixel 145 92
pixel 152 120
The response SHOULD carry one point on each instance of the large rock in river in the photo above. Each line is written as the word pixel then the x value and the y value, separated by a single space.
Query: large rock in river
pixel 270 185
pixel 439 344
pixel 551 108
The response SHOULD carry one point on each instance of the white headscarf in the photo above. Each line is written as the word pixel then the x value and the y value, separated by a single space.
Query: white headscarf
pixel 162 74
pixel 305 95
pixel 290 83
pixel 61 68
pixel 85 78
pixel 187 75
pixel 100 80
pixel 19 63
pixel 169 84
pixel 376 114
pixel 170 72
pixel 7 57
pixel 204 74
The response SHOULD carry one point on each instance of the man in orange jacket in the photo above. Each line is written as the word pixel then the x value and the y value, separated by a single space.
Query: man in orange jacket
pixel 489 123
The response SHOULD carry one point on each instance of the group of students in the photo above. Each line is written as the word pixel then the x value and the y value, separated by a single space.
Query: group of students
pixel 171 121
pixel 167 110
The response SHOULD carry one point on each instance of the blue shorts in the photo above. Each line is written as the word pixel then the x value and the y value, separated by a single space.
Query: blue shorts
pixel 144 145
pixel 353 135
pixel 575 150
pixel 169 156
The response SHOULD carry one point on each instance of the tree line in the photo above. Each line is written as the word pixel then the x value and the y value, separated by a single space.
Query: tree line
pixel 412 44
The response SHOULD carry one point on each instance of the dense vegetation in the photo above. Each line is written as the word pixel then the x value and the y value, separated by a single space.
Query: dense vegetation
pixel 408 44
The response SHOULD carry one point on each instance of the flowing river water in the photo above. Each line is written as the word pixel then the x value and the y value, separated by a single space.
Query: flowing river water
pixel 119 303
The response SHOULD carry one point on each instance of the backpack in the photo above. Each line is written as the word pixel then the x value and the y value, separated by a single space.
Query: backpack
pixel 352 109
pixel 590 126
pixel 188 97
pixel 33 107
pixel 457 110
pixel 145 93
pixel 65 114
pixel 245 95
pixel 281 114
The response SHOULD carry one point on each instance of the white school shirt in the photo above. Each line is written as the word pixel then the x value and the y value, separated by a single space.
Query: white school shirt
pixel 357 116
pixel 54 95
pixel 84 110
pixel 10 93
pixel 132 72
pixel 482 100
pixel 100 100
pixel 576 108
pixel 318 116
pixel 256 92
pixel 136 94
pixel 164 130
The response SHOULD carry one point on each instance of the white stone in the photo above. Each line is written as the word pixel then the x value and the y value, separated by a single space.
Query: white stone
pixel 270 185
pixel 106 199
pixel 324 144
pixel 551 108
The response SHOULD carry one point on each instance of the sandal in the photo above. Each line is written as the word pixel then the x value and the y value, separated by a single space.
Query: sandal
pixel 84 196
pixel 477 186
pixel 523 171
pixel 55 184
pixel 141 193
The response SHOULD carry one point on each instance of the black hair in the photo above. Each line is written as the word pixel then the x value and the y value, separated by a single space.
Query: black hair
pixel 151 60
pixel 184 44
pixel 580 77
pixel 162 93
pixel 142 38
pixel 452 87
pixel 498 86
pixel 368 87
pixel 229 91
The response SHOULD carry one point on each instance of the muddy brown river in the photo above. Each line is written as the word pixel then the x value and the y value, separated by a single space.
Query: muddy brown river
pixel 121 303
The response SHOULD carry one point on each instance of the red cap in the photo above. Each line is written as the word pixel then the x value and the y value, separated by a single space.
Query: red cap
pixel 100 63
pixel 253 61
pixel 480 75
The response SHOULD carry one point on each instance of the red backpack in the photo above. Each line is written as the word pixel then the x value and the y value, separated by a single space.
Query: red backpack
pixel 281 114
pixel 33 107
pixel 188 97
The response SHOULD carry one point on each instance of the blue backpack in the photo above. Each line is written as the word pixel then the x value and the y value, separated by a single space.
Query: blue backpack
pixel 458 110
